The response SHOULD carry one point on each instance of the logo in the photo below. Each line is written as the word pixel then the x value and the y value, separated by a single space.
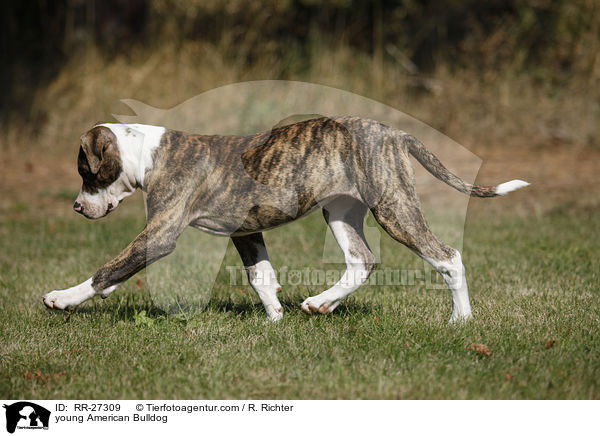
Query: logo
pixel 26 415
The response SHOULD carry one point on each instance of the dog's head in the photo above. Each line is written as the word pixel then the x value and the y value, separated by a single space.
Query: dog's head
pixel 100 166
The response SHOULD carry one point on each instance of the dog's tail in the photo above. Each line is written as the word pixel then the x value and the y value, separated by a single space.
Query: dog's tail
pixel 432 164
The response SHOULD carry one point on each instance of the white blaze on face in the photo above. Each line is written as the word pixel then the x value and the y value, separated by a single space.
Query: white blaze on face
pixel 135 144
pixel 100 203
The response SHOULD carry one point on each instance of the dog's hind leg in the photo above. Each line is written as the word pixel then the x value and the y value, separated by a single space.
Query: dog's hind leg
pixel 403 220
pixel 261 274
pixel 345 218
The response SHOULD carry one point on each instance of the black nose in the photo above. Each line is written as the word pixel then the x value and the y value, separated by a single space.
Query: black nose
pixel 78 207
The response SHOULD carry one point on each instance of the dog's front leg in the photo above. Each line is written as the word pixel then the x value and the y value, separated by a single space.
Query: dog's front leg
pixel 150 245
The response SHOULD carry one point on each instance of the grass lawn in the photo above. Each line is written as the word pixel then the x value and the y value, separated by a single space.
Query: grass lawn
pixel 534 288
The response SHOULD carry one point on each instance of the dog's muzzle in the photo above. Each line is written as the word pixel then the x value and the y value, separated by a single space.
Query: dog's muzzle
pixel 78 207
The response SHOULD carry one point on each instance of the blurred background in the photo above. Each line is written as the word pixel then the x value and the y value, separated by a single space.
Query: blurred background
pixel 514 81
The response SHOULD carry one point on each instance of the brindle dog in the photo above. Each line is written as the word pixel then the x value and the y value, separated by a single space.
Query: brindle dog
pixel 240 186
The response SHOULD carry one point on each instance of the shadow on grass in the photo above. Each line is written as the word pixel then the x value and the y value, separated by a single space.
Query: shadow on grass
pixel 247 309
pixel 127 312
pixel 135 310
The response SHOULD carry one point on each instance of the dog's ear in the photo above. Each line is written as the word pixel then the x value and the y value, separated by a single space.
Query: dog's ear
pixel 95 144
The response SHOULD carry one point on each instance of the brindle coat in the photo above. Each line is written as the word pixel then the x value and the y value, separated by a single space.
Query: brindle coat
pixel 242 185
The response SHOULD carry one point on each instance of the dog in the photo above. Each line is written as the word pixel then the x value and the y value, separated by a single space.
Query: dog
pixel 240 186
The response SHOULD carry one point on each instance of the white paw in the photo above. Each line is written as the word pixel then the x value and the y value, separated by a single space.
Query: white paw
pixel 61 300
pixel 319 304
pixel 275 313
pixel 69 298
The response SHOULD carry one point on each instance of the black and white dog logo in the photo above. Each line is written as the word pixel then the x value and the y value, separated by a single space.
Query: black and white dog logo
pixel 26 415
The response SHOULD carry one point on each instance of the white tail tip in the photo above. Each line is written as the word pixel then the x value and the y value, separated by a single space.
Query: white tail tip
pixel 513 185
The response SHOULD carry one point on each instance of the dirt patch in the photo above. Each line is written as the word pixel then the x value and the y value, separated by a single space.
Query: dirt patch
pixel 34 182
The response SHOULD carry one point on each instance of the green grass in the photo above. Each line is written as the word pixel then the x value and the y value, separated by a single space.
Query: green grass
pixel 532 280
